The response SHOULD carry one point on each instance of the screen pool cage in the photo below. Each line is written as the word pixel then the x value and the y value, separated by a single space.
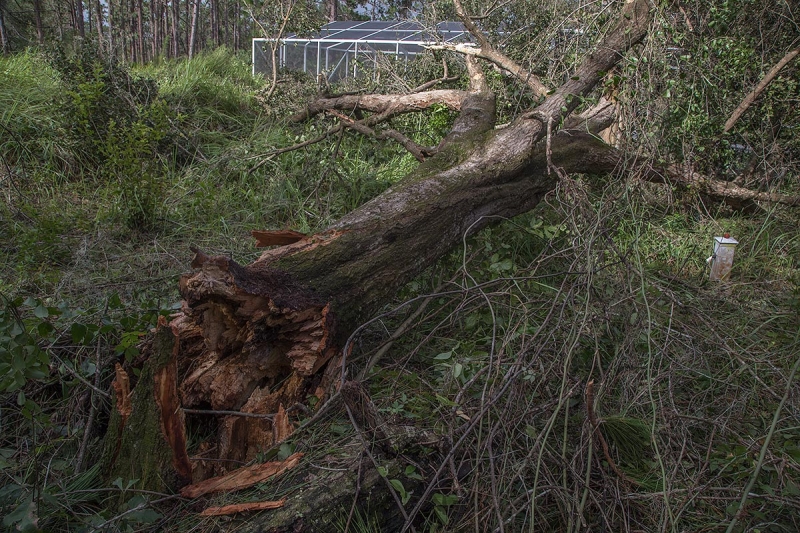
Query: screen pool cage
pixel 352 48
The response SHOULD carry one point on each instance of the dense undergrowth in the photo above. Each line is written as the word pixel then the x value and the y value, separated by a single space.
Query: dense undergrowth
pixel 109 174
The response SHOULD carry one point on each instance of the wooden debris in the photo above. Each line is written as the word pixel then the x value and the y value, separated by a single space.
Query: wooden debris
pixel 281 427
pixel 122 390
pixel 171 415
pixel 277 238
pixel 242 507
pixel 241 478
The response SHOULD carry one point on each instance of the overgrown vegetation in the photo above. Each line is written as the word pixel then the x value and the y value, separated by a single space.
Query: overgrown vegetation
pixel 108 174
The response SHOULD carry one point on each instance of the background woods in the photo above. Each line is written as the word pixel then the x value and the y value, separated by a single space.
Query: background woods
pixel 136 31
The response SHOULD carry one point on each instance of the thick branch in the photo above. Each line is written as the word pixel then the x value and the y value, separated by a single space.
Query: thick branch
pixel 385 104
pixel 580 152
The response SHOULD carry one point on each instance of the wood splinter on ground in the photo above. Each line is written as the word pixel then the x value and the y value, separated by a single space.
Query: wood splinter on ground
pixel 241 478
pixel 242 507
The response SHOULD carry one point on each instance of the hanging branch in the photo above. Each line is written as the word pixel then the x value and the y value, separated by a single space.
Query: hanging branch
pixel 763 84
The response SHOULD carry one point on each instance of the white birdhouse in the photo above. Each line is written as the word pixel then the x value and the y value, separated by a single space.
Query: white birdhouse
pixel 722 258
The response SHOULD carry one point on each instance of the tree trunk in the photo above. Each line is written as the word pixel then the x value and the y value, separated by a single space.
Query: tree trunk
pixel 111 51
pixel 98 22
pixel 333 10
pixel 140 31
pixel 5 46
pixel 79 18
pixel 194 27
pixel 174 25
pixel 37 15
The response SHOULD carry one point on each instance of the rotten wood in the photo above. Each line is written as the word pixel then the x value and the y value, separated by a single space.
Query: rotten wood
pixel 242 478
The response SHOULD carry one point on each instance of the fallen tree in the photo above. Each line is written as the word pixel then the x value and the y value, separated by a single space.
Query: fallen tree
pixel 255 344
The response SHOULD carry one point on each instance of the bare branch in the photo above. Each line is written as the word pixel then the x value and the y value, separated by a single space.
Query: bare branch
pixel 416 150
pixel 445 78
pixel 485 50
pixel 763 84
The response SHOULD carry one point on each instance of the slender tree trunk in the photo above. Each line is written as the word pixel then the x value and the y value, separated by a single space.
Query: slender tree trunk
pixel 174 25
pixel 60 17
pixel 37 15
pixel 155 26
pixel 79 18
pixel 226 34
pixel 194 27
pixel 333 10
pixel 188 18
pixel 98 22
pixel 140 31
pixel 215 33
pixel 236 25
pixel 111 51
pixel 5 45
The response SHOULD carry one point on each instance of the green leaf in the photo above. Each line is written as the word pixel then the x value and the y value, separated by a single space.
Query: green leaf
pixel 441 514
pixel 78 332
pixel 23 517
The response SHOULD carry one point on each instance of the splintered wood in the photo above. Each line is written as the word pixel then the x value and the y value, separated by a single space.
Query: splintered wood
pixel 263 341
pixel 242 507
pixel 171 416
pixel 276 238
pixel 242 478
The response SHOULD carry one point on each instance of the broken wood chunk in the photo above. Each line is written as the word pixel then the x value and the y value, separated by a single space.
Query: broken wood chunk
pixel 277 238
pixel 122 392
pixel 281 427
pixel 173 427
pixel 241 478
pixel 242 507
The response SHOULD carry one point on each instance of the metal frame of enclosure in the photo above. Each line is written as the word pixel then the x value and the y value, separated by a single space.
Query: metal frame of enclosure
pixel 351 48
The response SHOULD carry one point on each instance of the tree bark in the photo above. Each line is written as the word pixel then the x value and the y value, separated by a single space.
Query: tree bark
pixel 194 27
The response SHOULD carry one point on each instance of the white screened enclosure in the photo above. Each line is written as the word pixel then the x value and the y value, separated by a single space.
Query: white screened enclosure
pixel 351 48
